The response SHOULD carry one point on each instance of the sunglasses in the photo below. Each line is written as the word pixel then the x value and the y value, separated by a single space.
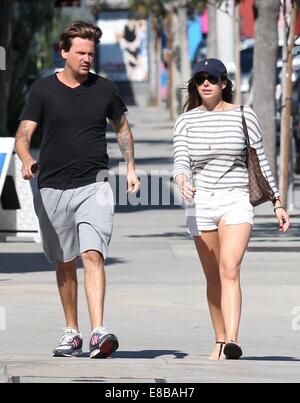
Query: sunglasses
pixel 200 78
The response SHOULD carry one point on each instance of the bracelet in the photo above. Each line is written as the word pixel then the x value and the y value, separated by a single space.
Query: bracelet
pixel 276 208
pixel 275 200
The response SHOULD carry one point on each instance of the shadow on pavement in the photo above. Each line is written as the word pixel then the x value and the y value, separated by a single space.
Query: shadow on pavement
pixel 159 161
pixel 171 235
pixel 149 354
pixel 145 141
pixel 271 358
pixel 24 263
pixel 34 263
pixel 143 354
pixel 271 230
pixel 273 249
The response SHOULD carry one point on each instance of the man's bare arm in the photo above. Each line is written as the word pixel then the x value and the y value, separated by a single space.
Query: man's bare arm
pixel 125 140
pixel 23 137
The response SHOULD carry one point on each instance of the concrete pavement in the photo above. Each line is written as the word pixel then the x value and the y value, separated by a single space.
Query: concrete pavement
pixel 156 300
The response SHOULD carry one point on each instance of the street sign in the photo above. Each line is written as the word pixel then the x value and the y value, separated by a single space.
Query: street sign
pixel 6 150
pixel 17 214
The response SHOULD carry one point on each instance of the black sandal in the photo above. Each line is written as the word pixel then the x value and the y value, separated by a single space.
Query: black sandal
pixel 221 346
pixel 232 350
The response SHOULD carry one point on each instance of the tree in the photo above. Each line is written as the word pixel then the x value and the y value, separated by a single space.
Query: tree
pixel 212 42
pixel 5 41
pixel 31 24
pixel 172 15
pixel 290 18
pixel 23 25
pixel 224 21
pixel 264 71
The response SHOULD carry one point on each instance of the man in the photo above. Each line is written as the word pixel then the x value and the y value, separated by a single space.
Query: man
pixel 71 108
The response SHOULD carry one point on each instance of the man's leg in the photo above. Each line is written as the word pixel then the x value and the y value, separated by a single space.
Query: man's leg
pixel 102 343
pixel 68 287
pixel 94 286
pixel 94 218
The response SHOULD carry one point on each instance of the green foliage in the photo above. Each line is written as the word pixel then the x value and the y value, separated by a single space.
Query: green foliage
pixel 32 24
pixel 159 8
pixel 98 6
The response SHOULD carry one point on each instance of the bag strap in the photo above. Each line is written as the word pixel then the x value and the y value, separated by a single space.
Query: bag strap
pixel 245 128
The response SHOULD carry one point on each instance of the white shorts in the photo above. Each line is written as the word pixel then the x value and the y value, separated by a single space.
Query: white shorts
pixel 210 207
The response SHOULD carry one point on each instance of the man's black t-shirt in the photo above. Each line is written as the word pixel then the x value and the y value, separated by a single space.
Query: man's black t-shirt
pixel 73 126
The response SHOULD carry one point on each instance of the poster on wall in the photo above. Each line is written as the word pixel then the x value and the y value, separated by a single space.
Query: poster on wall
pixel 6 150
pixel 124 47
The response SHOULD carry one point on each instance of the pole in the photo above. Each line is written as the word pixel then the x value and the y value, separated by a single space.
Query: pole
pixel 285 137
pixel 238 98
pixel 212 43
pixel 283 96
pixel 226 29
pixel 170 59
pixel 291 188
pixel 155 56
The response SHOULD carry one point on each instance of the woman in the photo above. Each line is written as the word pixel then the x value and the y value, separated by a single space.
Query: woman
pixel 210 171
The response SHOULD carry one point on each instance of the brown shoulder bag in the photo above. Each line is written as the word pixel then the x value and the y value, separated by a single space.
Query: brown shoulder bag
pixel 259 189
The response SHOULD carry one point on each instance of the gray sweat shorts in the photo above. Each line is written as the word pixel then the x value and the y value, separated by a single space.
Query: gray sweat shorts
pixel 74 221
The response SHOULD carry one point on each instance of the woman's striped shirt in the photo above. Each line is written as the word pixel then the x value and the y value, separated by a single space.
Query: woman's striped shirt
pixel 211 146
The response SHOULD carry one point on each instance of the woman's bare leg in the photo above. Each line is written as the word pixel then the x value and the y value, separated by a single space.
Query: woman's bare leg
pixel 208 250
pixel 233 244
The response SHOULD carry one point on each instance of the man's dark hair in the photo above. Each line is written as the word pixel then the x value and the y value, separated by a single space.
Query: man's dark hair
pixel 79 29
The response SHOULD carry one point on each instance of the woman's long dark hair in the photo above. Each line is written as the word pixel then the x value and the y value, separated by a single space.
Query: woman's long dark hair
pixel 193 99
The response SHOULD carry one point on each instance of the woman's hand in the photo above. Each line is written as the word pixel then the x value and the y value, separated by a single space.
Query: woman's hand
pixel 187 190
pixel 283 218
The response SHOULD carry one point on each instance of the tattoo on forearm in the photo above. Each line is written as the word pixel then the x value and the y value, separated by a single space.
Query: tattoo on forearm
pixel 24 134
pixel 125 139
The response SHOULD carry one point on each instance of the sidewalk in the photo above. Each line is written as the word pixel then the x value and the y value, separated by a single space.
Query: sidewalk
pixel 156 301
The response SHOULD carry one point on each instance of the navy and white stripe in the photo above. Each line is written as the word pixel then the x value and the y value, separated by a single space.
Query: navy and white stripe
pixel 223 166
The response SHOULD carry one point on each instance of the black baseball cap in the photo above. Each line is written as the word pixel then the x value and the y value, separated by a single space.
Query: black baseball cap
pixel 211 66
